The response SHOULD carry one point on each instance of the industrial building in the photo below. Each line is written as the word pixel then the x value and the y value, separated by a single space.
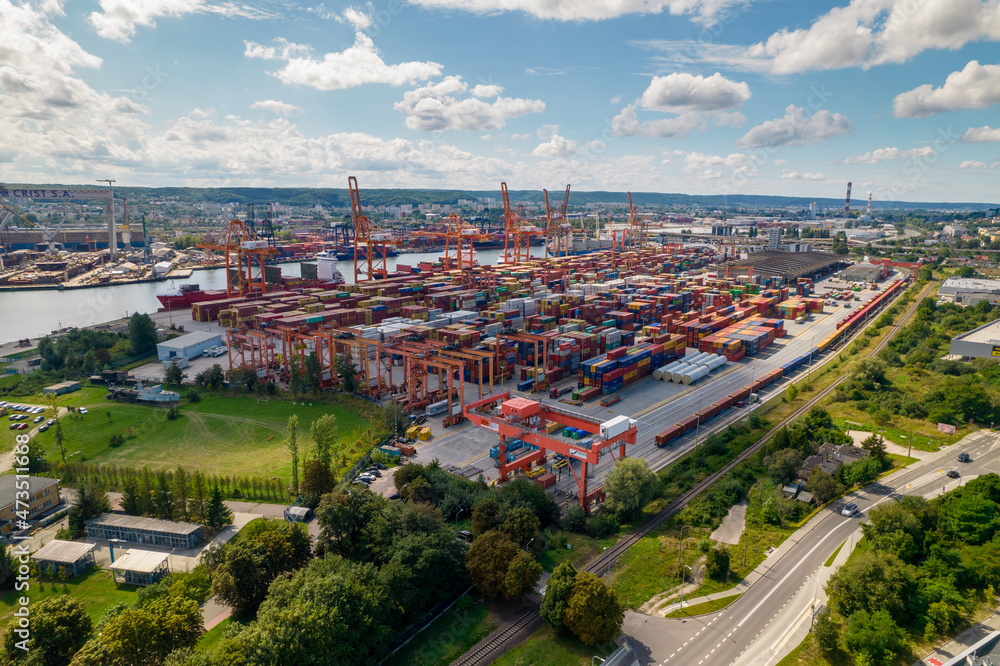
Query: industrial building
pixel 864 272
pixel 787 266
pixel 969 291
pixel 152 531
pixel 187 346
pixel 982 342
pixel 61 388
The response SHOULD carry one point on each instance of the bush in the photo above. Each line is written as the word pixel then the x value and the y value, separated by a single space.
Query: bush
pixel 602 525
pixel 575 519
pixel 717 563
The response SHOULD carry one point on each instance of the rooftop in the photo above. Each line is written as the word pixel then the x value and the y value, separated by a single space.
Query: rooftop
pixel 954 284
pixel 143 561
pixel 785 264
pixel 35 483
pixel 189 339
pixel 140 523
pixel 63 552
pixel 986 334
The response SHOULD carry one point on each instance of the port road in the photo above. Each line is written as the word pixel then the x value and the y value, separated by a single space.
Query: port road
pixel 774 614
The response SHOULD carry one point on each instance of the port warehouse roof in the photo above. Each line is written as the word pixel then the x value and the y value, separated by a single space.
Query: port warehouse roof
pixel 953 286
pixel 142 561
pixel 864 271
pixel 787 265
pixel 189 340
pixel 148 524
pixel 63 552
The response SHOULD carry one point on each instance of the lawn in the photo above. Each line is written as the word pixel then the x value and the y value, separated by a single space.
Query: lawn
pixel 925 436
pixel 211 638
pixel 833 556
pixel 652 565
pixel 218 435
pixel 706 607
pixel 582 549
pixel 544 648
pixel 448 637
pixel 94 589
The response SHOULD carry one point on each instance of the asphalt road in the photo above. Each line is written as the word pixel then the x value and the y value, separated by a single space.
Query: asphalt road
pixel 773 615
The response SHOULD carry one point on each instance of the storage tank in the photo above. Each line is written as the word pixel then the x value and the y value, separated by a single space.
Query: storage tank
pixel 715 363
pixel 678 372
pixel 697 357
pixel 691 376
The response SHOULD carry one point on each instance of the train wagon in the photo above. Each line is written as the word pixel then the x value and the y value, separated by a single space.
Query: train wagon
pixel 668 435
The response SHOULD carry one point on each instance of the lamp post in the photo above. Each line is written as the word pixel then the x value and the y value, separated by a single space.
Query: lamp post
pixel 683 582
pixel 680 543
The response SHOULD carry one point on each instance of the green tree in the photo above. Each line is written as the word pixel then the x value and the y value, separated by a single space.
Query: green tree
pixel 59 628
pixel 717 563
pixel 485 516
pixel 894 528
pixel 60 441
pixel 199 496
pixel 163 499
pixel 594 613
pixel 348 372
pixel 558 590
pixel 783 466
pixel 488 560
pixel 212 378
pixel 131 502
pixel 520 525
pixel 243 378
pixel 872 582
pixel 182 487
pixel 92 500
pixel 629 486
pixel 241 581
pixel 791 392
pixel 974 518
pixel 875 445
pixel 173 374
pixel 291 441
pixel 827 636
pixel 873 638
pixel 522 574
pixel 822 485
pixel 146 492
pixel 324 434
pixel 316 480
pixel 7 568
pixel 142 333
pixel 313 372
pixel 217 514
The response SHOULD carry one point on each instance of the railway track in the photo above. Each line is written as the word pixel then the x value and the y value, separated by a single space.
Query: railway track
pixel 512 633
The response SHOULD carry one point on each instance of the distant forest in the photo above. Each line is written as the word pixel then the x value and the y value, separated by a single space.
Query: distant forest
pixel 340 197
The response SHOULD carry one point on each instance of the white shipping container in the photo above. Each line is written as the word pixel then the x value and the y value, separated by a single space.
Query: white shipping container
pixel 616 426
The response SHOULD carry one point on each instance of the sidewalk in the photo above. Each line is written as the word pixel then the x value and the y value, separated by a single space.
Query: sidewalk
pixel 962 642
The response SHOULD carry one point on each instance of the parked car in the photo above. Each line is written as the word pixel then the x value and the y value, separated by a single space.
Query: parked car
pixel 22 426
pixel 50 422
pixel 465 535
pixel 378 465
pixel 964 458
pixel 374 472
pixel 395 496
pixel 38 419
pixel 13 426
pixel 953 474
pixel 849 509
pixel 43 428
pixel 82 410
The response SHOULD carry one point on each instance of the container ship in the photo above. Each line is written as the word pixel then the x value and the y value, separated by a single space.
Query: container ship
pixel 346 252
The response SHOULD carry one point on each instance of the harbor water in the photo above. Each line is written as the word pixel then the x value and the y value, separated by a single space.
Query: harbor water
pixel 34 313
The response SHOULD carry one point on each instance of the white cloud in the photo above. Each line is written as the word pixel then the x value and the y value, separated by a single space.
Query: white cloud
pixel 974 87
pixel 795 175
pixel 556 146
pixel 358 19
pixel 779 162
pixel 588 10
pixel 547 131
pixel 437 107
pixel 708 167
pixel 975 164
pixel 202 113
pixel 283 50
pixel 118 18
pixel 627 123
pixel 862 33
pixel 684 93
pixel 278 108
pixel 357 65
pixel 617 99
pixel 794 129
pixel 983 134
pixel 520 136
pixel 890 153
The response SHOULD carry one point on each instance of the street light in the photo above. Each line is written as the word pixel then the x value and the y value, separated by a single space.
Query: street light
pixel 680 543
pixel 683 582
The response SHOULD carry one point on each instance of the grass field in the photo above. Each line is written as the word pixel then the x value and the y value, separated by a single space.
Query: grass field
pixel 582 549
pixel 449 637
pixel 833 556
pixel 544 648
pixel 211 638
pixel 220 434
pixel 94 589
pixel 706 607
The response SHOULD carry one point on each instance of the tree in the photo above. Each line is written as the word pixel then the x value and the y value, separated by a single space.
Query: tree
pixel 348 372
pixel 875 444
pixel 485 516
pixel 872 582
pixel 146 492
pixel 241 581
pixel 92 500
pixel 791 392
pixel 488 560
pixel 522 574
pixel 520 525
pixel 717 563
pixel 629 486
pixel 293 447
pixel 324 434
pixel 59 628
pixel 192 395
pixel 212 378
pixel 558 590
pixel 313 372
pixel 180 493
pixel 243 377
pixel 316 479
pixel 783 466
pixel 893 528
pixel 162 498
pixel 827 636
pixel 131 502
pixel 199 496
pixel 594 613
pixel 173 374
pixel 874 638
pixel 60 441
pixel 7 567
pixel 142 334
pixel 823 486
pixel 217 513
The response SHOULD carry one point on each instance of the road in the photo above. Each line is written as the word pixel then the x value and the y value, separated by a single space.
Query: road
pixel 773 615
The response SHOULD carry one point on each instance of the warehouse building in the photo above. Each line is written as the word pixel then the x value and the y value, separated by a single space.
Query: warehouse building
pixel 787 266
pixel 864 272
pixel 61 388
pixel 969 291
pixel 983 342
pixel 152 531
pixel 188 346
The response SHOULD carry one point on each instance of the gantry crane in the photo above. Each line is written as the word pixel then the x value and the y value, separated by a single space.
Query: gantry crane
pixel 518 232
pixel 526 420
pixel 459 237
pixel 371 246
pixel 638 227
pixel 558 231
pixel 8 213
pixel 245 253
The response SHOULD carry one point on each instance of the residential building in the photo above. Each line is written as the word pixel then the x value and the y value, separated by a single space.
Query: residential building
pixel 43 498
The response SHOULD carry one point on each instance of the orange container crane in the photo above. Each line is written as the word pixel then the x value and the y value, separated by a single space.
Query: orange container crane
pixel 371 246
pixel 558 231
pixel 459 236
pixel 525 420
pixel 245 253
pixel 518 232
pixel 638 227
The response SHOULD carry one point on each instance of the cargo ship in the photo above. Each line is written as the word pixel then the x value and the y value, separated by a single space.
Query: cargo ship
pixel 188 294
pixel 346 252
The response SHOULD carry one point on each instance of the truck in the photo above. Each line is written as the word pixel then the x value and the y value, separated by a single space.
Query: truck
pixel 556 392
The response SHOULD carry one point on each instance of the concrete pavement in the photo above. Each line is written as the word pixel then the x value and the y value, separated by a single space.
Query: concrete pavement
pixel 962 642
pixel 775 611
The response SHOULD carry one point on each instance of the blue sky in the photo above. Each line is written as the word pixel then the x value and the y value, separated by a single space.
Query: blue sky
pixel 697 96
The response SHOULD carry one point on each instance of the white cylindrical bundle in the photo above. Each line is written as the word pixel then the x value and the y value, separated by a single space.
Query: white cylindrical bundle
pixel 691 376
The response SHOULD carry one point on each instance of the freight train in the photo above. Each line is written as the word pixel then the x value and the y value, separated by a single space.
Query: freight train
pixel 844 329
